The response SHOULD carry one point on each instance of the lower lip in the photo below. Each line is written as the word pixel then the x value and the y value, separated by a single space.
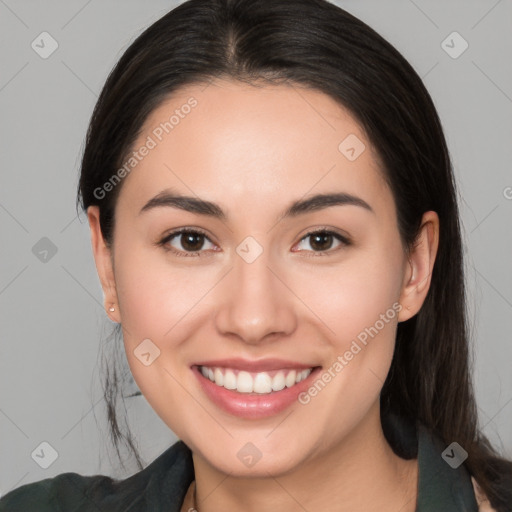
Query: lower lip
pixel 252 405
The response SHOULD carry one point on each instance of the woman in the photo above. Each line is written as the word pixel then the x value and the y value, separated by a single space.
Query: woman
pixel 274 223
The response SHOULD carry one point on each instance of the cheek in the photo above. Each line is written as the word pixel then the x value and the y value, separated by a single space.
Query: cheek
pixel 153 294
pixel 358 302
pixel 159 301
pixel 351 297
pixel 155 303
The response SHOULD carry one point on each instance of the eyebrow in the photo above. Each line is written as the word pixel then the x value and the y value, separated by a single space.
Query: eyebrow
pixel 172 199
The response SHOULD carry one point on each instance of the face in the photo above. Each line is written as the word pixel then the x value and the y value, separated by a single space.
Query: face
pixel 255 292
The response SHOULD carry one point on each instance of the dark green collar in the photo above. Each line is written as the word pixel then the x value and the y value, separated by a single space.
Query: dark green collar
pixel 440 486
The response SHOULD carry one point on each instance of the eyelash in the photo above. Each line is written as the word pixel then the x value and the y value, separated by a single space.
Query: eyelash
pixel 196 231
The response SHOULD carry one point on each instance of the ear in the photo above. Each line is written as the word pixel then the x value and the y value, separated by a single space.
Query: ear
pixel 418 272
pixel 104 265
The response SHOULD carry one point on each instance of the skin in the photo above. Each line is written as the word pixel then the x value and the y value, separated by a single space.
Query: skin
pixel 254 150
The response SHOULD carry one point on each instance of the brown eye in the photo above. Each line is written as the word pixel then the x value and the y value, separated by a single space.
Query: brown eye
pixel 186 241
pixel 192 241
pixel 323 240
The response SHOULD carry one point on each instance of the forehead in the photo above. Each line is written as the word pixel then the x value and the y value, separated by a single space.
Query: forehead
pixel 231 140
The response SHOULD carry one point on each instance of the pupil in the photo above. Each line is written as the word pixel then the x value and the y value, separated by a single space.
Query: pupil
pixel 321 237
pixel 189 241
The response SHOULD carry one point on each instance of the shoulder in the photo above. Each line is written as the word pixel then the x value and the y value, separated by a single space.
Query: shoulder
pixel 166 478
pixel 62 492
pixel 481 498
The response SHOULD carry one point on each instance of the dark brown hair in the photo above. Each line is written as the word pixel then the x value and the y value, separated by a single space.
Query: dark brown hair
pixel 316 44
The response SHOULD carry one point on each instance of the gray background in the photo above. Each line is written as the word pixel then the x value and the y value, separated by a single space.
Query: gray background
pixel 52 318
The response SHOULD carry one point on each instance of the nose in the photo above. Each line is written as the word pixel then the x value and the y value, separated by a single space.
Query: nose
pixel 255 302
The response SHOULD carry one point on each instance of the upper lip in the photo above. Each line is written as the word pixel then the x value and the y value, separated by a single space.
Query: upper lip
pixel 260 365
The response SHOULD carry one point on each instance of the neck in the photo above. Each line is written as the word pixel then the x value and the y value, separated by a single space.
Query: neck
pixel 359 473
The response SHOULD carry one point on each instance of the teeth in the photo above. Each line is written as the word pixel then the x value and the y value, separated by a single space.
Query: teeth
pixel 290 379
pixel 261 382
pixel 244 383
pixel 278 382
pixel 219 377
pixel 229 380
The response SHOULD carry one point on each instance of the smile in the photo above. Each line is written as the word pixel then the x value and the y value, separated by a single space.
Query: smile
pixel 252 382
pixel 253 390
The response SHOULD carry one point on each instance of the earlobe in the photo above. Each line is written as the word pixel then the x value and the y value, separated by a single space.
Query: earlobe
pixel 103 260
pixel 420 264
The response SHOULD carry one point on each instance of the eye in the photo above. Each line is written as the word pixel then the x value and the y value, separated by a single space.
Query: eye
pixel 190 242
pixel 322 241
pixel 185 242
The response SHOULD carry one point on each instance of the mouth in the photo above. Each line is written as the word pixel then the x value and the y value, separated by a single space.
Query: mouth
pixel 254 390
pixel 261 383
